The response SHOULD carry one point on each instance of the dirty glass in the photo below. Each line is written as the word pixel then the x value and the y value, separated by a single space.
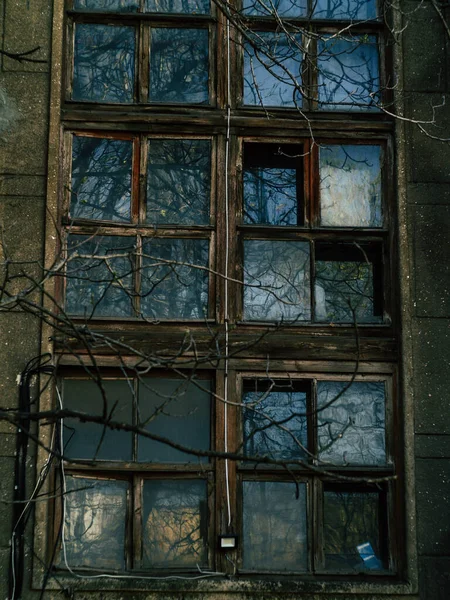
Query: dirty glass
pixel 174 521
pixel 99 276
pixel 179 181
pixel 178 410
pixel 179 65
pixel 272 69
pixel 101 179
pixel 175 279
pixel 351 520
pixel 346 10
pixel 348 73
pixel 275 529
pixel 274 420
pixel 103 63
pixel 350 186
pixel 107 5
pixel 344 287
pixel 276 281
pixel 185 7
pixel 351 427
pixel 90 440
pixel 94 526
pixel 282 8
pixel 272 184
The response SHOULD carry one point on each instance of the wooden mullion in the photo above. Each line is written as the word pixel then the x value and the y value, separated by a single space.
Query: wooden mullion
pixel 143 166
pixel 318 557
pixel 68 72
pixel 314 183
pixel 143 63
pixel 137 524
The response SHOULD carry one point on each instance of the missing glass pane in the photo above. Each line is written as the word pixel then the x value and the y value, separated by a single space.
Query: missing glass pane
pixel 273 184
pixel 104 63
pixel 101 179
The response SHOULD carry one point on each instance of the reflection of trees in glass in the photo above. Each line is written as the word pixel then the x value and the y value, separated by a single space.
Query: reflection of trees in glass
pixel 282 8
pixel 350 186
pixel 272 69
pixel 107 5
pixel 99 282
pixel 179 181
pixel 192 7
pixel 94 523
pixel 350 519
pixel 348 73
pixel 101 179
pixel 274 526
pixel 104 63
pixel 352 429
pixel 345 9
pixel 174 523
pixel 179 65
pixel 270 196
pixel 268 416
pixel 177 410
pixel 170 290
pixel 276 280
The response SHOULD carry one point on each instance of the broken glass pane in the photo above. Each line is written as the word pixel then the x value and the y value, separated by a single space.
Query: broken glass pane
pixel 276 281
pixel 174 521
pixel 346 10
pixel 178 410
pixel 103 63
pixel 272 69
pixel 99 276
pixel 179 65
pixel 95 517
pixel 101 179
pixel 179 181
pixel 350 186
pixel 280 8
pixel 185 7
pixel 84 440
pixel 275 534
pixel 175 279
pixel 107 5
pixel 274 421
pixel 272 184
pixel 344 289
pixel 350 519
pixel 351 430
pixel 348 73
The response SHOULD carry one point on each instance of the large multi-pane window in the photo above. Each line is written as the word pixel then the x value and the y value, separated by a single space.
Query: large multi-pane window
pixel 226 206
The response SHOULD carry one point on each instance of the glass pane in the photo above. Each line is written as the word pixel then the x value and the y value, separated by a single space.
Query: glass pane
pixel 101 179
pixel 104 63
pixel 351 520
pixel 275 534
pixel 348 10
pixel 272 69
pixel 348 73
pixel 351 427
pixel 107 5
pixel 175 516
pixel 171 287
pixel 276 281
pixel 345 286
pixel 350 186
pixel 99 279
pixel 281 8
pixel 179 65
pixel 274 421
pixel 272 184
pixel 84 440
pixel 186 7
pixel 95 517
pixel 179 411
pixel 179 181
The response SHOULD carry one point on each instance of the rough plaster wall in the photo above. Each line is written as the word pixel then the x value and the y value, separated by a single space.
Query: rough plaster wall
pixel 427 81
pixel 24 24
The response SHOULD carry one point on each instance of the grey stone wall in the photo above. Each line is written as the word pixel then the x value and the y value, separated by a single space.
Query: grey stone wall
pixel 427 83
pixel 24 92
